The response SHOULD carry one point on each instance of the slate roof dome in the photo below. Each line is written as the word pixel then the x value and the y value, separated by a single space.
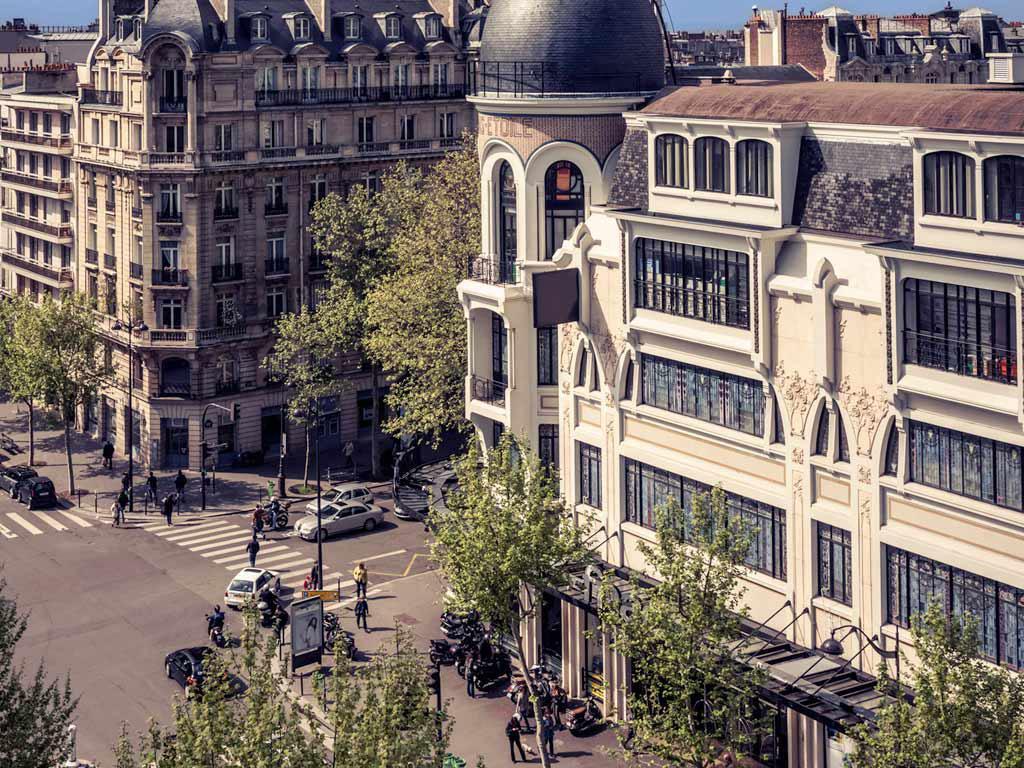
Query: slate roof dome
pixel 553 47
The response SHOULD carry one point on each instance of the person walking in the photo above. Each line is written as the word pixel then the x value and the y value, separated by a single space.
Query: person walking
pixel 257 524
pixel 360 577
pixel 523 705
pixel 151 488
pixel 126 482
pixel 547 733
pixel 348 452
pixel 252 549
pixel 108 455
pixel 362 611
pixel 179 485
pixel 512 731
pixel 168 504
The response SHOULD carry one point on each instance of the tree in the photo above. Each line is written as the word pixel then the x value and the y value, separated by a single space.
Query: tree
pixel 966 713
pixel 34 714
pixel 60 338
pixel 691 697
pixel 304 352
pixel 19 361
pixel 504 538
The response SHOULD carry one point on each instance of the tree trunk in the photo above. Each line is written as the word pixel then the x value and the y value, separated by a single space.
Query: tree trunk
pixel 67 451
pixel 374 457
pixel 533 695
pixel 31 432
pixel 305 471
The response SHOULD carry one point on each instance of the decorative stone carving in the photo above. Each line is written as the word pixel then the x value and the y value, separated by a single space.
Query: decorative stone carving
pixel 866 409
pixel 567 343
pixel 798 455
pixel 798 392
pixel 864 474
pixel 842 329
pixel 865 506
pixel 798 484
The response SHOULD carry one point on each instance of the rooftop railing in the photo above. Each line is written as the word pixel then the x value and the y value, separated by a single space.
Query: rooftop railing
pixel 539 79
pixel 367 94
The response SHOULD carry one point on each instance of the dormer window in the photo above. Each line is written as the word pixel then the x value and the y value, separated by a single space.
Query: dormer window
pixel 433 27
pixel 138 29
pixel 301 28
pixel 120 29
pixel 393 27
pixel 353 28
pixel 259 28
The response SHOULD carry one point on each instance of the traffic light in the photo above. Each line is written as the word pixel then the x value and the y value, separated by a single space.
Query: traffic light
pixel 205 453
pixel 236 412
pixel 434 680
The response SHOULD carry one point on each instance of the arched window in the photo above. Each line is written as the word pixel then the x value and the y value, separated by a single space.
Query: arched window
pixel 175 378
pixel 821 439
pixel 711 164
pixel 754 168
pixel 1004 188
pixel 844 445
pixel 670 161
pixel 563 203
pixel 584 369
pixel 778 429
pixel 507 231
pixel 949 184
pixel 892 451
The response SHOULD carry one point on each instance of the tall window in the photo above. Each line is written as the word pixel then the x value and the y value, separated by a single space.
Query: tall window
pixel 394 27
pixel 547 445
pixel 754 168
pixel 949 184
pixel 223 137
pixel 563 203
pixel 225 250
pixel 709 284
pixel 259 28
pixel 446 125
pixel 277 302
pixel 648 488
pixel 364 130
pixel 499 350
pixel 172 313
pixel 835 564
pixel 966 465
pixel 407 125
pixel 266 79
pixel 719 398
pixel 508 228
pixel 275 194
pixel 590 475
pixel 170 201
pixel 1004 189
pixel 353 27
pixel 276 260
pixel 301 28
pixel 670 161
pixel 822 436
pixel 547 355
pixel 174 86
pixel 892 452
pixel 964 330
pixel 433 27
pixel 711 164
pixel 224 199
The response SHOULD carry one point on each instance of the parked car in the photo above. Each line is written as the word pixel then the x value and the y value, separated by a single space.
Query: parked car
pixel 182 664
pixel 340 518
pixel 12 477
pixel 249 582
pixel 342 493
pixel 37 493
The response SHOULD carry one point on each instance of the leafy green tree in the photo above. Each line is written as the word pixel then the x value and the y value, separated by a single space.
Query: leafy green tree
pixel 966 712
pixel 691 695
pixel 304 354
pixel 35 713
pixel 504 538
pixel 19 375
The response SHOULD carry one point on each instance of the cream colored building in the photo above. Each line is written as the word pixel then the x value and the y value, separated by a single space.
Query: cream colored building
pixel 807 294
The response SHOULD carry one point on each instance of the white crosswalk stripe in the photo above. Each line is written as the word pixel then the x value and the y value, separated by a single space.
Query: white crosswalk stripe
pixel 261 562
pixel 292 565
pixel 245 555
pixel 232 538
pixel 179 530
pixel 56 525
pixel 76 520
pixel 192 537
pixel 7 532
pixel 14 517
pixel 217 552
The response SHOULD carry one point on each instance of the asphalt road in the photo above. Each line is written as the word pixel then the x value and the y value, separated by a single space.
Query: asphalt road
pixel 107 604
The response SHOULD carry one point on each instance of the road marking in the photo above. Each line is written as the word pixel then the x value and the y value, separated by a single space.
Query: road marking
pixel 233 548
pixel 7 532
pixel 381 557
pixel 291 565
pixel 193 530
pixel 24 523
pixel 245 555
pixel 194 538
pixel 49 521
pixel 234 539
pixel 76 520
pixel 262 561
pixel 186 528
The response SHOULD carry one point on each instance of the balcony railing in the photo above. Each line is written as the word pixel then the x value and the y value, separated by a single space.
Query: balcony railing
pixel 373 147
pixel 318 262
pixel 135 270
pixel 708 306
pixel 493 270
pixel 228 156
pixel 322 149
pixel 41 182
pixel 161 335
pixel 410 144
pixel 222 273
pixel 37 268
pixel 221 333
pixel 106 98
pixel 275 209
pixel 282 98
pixel 168 215
pixel 57 230
pixel 276 266
pixel 55 141
pixel 170 277
pixel 451 142
pixel 173 104
pixel 167 158
pixel 488 390
pixel 136 212
pixel 272 153
pixel 109 204
pixel 91 256
pixel 226 387
pixel 982 361
pixel 172 389
pixel 225 213
pixel 539 79
pixel 109 261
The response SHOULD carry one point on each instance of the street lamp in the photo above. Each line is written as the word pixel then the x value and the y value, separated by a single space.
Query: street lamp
pixel 203 449
pixel 131 328
pixel 319 531
pixel 833 647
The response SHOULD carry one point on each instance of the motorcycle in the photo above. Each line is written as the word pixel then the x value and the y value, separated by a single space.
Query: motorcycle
pixel 272 614
pixel 442 652
pixel 585 719
pixel 491 672
pixel 456 625
pixel 331 629
pixel 275 517
pixel 215 628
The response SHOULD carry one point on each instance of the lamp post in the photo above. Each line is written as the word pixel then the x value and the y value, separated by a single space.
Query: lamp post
pixel 833 647
pixel 131 328
pixel 203 448
pixel 319 531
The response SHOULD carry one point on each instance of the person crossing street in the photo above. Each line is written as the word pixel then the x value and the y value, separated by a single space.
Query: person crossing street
pixel 168 504
pixel 253 549
pixel 151 488
pixel 362 611
pixel 360 577
pixel 179 486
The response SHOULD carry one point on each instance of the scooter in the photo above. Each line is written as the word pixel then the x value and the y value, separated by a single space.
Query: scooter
pixel 215 628
pixel 455 625
pixel 275 517
pixel 271 612
pixel 491 672
pixel 442 652
pixel 585 719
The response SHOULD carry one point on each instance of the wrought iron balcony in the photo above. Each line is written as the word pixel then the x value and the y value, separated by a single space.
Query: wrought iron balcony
pixel 171 389
pixel 56 230
pixel 228 156
pixel 966 358
pixel 169 215
pixel 493 270
pixel 276 266
pixel 373 147
pixel 275 209
pixel 109 261
pixel 91 256
pixel 105 98
pixel 55 141
pixel 135 270
pixel 170 276
pixel 173 104
pixel 222 273
pixel 225 213
pixel 273 153
pixel 364 94
pixel 226 387
pixel 540 79
pixel 41 182
pixel 488 390
pixel 709 306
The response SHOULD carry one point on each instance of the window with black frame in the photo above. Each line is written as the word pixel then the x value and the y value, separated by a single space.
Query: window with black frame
pixel 966 465
pixel 821 438
pixel 892 452
pixel 547 445
pixel 648 488
pixel 949 184
pixel 507 223
pixel 499 354
pixel 708 284
pixel 720 398
pixel 590 474
pixel 754 173
pixel 835 564
pixel 960 329
pixel 711 164
pixel 547 355
pixel 563 203
pixel 670 153
pixel 1004 188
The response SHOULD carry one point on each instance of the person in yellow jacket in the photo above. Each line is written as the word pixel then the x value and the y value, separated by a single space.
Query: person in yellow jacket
pixel 359 576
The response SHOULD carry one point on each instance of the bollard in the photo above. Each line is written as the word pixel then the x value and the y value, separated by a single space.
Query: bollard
pixel 96 504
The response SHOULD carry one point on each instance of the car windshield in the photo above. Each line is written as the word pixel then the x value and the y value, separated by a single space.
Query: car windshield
pixel 238 585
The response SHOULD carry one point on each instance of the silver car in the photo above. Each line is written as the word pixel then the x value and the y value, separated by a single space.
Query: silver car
pixel 341 493
pixel 341 518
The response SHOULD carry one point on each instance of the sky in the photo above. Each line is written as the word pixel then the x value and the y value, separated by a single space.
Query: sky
pixel 685 14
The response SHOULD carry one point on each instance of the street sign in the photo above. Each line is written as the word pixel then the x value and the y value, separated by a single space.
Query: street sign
pixel 327 595
pixel 307 623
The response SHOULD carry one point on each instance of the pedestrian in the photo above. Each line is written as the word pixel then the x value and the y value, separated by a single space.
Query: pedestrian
pixel 360 577
pixel 151 488
pixel 179 485
pixel 512 730
pixel 523 705
pixel 362 611
pixel 471 676
pixel 257 524
pixel 547 733
pixel 253 549
pixel 108 455
pixel 348 451
pixel 561 702
pixel 126 482
pixel 168 504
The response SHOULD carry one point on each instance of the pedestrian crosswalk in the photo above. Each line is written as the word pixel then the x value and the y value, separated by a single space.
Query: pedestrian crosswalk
pixel 37 522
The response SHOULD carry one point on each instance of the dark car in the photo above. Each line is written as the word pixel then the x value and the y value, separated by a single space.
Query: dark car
pixel 38 493
pixel 12 477
pixel 188 662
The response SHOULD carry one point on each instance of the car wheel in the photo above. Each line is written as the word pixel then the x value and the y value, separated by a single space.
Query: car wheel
pixel 370 524
pixel 14 492
pixel 167 668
